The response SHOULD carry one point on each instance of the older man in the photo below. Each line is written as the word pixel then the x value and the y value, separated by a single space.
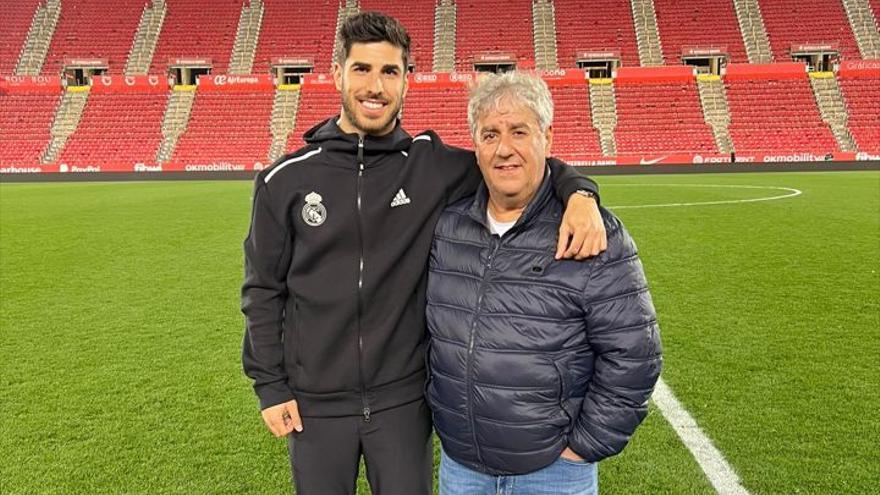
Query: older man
pixel 538 368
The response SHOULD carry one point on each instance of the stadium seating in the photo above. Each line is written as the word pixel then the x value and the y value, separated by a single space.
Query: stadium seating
pixel 17 17
pixel 290 31
pixel 863 103
pixel 493 26
pixel 197 29
pixel 89 29
pixel 227 127
pixel 125 128
pixel 574 137
pixel 418 17
pixel 441 110
pixel 701 23
pixel 776 116
pixel 875 6
pixel 25 123
pixel 606 25
pixel 661 118
pixel 807 22
pixel 314 107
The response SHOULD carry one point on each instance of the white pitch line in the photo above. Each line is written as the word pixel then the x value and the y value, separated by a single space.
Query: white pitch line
pixel 790 194
pixel 720 473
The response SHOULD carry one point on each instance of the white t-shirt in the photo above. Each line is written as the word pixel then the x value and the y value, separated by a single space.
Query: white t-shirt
pixel 496 227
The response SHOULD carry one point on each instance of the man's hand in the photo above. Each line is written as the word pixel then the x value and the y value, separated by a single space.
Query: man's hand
pixel 570 455
pixel 282 418
pixel 582 231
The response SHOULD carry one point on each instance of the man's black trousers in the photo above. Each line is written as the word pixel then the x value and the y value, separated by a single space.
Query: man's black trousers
pixel 395 443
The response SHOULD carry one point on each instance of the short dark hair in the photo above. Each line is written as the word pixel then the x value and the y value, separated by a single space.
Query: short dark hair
pixel 372 27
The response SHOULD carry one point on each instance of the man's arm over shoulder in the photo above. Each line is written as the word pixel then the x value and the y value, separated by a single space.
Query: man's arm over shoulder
pixel 566 180
pixel 456 168
pixel 625 337
pixel 267 254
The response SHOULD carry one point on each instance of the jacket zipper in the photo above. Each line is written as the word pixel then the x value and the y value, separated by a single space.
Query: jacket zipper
pixel 360 160
pixel 496 243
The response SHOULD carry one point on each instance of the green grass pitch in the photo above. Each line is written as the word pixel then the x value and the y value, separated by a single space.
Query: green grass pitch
pixel 120 342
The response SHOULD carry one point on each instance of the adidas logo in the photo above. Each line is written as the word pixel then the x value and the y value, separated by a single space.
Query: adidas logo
pixel 400 199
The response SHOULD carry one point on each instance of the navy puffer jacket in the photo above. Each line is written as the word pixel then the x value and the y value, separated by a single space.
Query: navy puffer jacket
pixel 529 355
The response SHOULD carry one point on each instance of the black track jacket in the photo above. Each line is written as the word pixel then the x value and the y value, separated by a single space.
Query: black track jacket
pixel 335 266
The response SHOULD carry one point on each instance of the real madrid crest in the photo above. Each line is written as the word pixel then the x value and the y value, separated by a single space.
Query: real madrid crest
pixel 313 211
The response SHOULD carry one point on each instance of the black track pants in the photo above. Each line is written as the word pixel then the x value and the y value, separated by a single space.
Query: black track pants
pixel 395 443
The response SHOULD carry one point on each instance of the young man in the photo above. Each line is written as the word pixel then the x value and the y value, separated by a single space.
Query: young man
pixel 335 262
pixel 538 368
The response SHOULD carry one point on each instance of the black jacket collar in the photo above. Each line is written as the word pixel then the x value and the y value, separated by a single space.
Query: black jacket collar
pixel 331 138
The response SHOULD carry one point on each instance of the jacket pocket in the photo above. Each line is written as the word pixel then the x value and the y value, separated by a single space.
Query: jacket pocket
pixel 563 387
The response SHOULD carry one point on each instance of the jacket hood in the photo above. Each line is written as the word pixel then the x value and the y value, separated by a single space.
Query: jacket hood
pixel 330 137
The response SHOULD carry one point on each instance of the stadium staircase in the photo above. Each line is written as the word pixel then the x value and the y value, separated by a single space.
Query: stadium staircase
pixel 647 34
pixel 544 19
pixel 283 120
pixel 754 34
pixel 715 111
pixel 863 101
pixel 444 36
pixel 141 55
pixel 699 23
pixel 807 22
pixel 607 26
pixel 246 37
pixel 175 120
pixel 66 121
pixel 346 10
pixel 832 108
pixel 603 108
pixel 864 27
pixel 39 37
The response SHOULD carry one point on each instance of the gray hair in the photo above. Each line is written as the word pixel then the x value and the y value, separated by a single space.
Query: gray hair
pixel 528 89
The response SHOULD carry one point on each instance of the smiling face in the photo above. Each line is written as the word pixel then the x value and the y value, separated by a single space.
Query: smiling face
pixel 511 151
pixel 372 82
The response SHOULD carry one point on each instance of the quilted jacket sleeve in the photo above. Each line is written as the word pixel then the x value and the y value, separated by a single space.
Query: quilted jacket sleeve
pixel 623 332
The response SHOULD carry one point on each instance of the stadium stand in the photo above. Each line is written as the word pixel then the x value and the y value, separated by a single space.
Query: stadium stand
pixel 227 127
pixel 700 23
pixel 776 115
pixel 574 137
pixel 117 127
pixel 444 110
pixel 796 22
pixel 510 31
pixel 606 25
pixel 875 7
pixel 197 29
pixel 314 106
pixel 17 17
pixel 79 35
pixel 661 117
pixel 418 17
pixel 862 97
pixel 289 31
pixel 24 127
